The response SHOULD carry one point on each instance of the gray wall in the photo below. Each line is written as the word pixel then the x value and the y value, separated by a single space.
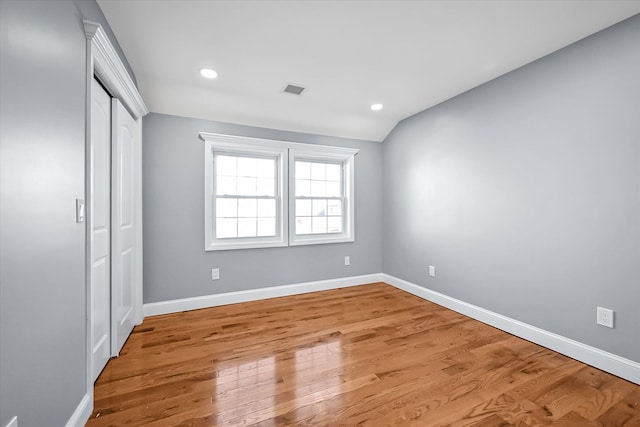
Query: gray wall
pixel 42 249
pixel 91 11
pixel 525 193
pixel 175 263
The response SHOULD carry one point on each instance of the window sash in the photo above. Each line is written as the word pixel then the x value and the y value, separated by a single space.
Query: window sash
pixel 242 155
pixel 244 224
pixel 239 217
pixel 327 215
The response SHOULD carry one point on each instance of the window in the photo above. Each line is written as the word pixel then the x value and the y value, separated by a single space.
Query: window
pixel 245 203
pixel 253 186
pixel 245 195
pixel 318 197
pixel 321 184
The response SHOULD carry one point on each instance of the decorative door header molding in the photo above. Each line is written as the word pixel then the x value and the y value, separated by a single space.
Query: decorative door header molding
pixel 110 70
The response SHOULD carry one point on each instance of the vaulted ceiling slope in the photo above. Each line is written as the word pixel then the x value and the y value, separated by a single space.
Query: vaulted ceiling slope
pixel 348 54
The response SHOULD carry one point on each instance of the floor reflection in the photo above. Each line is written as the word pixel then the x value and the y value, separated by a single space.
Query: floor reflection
pixel 261 391
pixel 246 387
pixel 317 376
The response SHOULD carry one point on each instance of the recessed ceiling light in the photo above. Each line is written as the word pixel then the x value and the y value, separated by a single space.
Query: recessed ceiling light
pixel 208 73
pixel 376 107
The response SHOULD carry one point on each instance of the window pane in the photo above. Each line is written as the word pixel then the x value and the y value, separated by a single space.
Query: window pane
pixel 226 186
pixel 319 171
pixel 266 227
pixel 318 188
pixel 303 187
pixel 318 225
pixel 334 207
pixel 247 227
pixel 334 224
pixel 246 166
pixel 319 207
pixel 303 170
pixel 303 207
pixel 265 168
pixel 266 187
pixel 333 189
pixel 226 228
pixel 226 165
pixel 266 208
pixel 246 186
pixel 226 208
pixel 247 208
pixel 334 172
pixel 303 225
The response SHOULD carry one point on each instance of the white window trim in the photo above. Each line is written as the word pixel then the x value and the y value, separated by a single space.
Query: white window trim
pixel 324 154
pixel 243 145
pixel 287 152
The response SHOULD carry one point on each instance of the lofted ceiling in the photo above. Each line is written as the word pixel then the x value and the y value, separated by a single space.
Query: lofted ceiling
pixel 348 54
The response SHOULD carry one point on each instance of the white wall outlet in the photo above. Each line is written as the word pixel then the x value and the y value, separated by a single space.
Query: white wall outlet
pixel 215 273
pixel 347 260
pixel 605 317
pixel 13 422
pixel 432 270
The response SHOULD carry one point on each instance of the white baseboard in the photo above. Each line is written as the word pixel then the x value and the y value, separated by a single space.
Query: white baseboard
pixel 82 412
pixel 609 362
pixel 194 303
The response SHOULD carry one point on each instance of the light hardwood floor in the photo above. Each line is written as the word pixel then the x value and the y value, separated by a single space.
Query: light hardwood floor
pixel 368 355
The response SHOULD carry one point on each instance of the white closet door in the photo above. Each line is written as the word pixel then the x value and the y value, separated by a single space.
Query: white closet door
pixel 99 222
pixel 123 234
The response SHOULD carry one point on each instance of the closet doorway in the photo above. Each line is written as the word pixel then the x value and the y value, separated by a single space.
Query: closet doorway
pixel 112 227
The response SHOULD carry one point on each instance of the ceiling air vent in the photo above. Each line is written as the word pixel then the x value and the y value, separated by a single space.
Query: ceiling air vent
pixel 293 89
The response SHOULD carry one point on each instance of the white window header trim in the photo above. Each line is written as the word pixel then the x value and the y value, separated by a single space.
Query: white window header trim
pixel 232 141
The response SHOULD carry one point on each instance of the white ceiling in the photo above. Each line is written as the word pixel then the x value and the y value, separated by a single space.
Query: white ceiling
pixel 408 55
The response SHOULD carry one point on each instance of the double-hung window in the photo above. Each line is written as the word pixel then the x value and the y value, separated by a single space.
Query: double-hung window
pixel 321 188
pixel 265 193
pixel 245 205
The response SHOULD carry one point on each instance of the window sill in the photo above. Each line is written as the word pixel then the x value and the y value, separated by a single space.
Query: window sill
pixel 243 245
pixel 317 240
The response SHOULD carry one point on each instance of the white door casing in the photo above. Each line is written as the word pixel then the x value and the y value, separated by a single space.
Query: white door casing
pixel 124 231
pixel 104 63
pixel 99 223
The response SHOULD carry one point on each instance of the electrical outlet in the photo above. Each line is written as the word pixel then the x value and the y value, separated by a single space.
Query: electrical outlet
pixel 347 260
pixel 13 422
pixel 215 273
pixel 432 270
pixel 605 317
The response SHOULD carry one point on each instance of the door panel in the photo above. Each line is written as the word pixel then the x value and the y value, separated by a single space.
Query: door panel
pixel 100 183
pixel 123 226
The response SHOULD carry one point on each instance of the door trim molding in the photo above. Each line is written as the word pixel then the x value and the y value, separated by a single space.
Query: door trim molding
pixel 103 61
pixel 111 72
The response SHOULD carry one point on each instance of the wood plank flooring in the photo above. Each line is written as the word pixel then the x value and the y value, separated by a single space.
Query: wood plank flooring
pixel 369 355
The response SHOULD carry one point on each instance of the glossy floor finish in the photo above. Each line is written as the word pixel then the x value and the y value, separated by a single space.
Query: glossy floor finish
pixel 368 355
